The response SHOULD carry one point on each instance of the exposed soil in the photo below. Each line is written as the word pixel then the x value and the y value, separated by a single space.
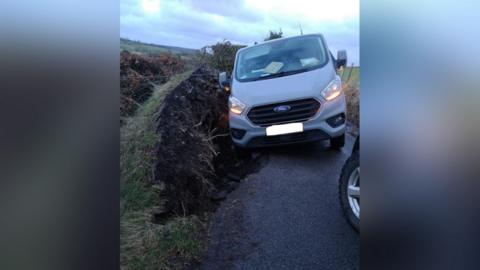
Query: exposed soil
pixel 195 153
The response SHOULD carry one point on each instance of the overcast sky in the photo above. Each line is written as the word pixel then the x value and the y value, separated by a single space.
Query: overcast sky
pixel 197 23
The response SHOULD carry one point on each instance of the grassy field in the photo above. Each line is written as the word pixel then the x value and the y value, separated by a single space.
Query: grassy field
pixel 190 56
pixel 140 47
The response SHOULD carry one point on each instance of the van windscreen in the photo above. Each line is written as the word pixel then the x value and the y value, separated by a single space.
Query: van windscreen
pixel 279 58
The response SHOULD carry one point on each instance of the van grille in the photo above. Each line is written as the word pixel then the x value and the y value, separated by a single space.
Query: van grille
pixel 300 110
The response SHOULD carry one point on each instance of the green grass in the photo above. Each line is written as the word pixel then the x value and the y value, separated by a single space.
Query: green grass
pixel 190 56
pixel 140 47
pixel 145 245
pixel 351 85
pixel 137 149
pixel 354 77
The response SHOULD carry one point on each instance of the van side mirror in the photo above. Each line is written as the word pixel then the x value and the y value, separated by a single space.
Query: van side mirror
pixel 341 59
pixel 224 81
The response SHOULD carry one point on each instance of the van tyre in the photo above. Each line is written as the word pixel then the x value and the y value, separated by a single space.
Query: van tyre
pixel 337 142
pixel 350 170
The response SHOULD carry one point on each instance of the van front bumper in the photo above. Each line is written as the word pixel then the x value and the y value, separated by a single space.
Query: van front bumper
pixel 246 134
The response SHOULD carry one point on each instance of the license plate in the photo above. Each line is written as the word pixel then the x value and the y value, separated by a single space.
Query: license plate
pixel 284 129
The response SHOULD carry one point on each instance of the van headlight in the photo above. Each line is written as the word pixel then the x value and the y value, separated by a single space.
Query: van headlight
pixel 235 105
pixel 333 89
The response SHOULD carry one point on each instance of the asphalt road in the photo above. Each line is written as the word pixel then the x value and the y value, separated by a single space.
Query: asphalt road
pixel 286 215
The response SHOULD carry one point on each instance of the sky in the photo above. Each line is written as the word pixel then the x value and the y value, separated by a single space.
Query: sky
pixel 198 23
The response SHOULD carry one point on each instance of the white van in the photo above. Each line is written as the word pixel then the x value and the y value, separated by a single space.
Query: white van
pixel 286 91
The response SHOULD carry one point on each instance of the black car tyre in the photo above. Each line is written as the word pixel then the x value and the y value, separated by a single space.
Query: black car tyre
pixel 349 190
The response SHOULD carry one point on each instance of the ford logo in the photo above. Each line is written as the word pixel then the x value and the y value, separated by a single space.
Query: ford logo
pixel 281 109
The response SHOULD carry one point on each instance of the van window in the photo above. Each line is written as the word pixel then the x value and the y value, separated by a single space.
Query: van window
pixel 280 58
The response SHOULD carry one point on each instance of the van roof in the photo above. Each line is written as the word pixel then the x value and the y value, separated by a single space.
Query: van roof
pixel 278 39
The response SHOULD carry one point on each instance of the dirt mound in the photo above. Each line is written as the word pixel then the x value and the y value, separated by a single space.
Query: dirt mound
pixel 195 152
pixel 140 73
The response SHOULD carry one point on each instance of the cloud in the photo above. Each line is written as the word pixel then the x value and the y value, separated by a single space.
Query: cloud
pixel 194 24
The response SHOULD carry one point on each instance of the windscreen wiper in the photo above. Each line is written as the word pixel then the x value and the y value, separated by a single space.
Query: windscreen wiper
pixel 281 74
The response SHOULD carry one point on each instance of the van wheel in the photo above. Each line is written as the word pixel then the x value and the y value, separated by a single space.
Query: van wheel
pixel 349 190
pixel 337 142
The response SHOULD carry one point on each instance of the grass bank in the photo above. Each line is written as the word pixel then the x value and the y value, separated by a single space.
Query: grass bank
pixel 145 245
